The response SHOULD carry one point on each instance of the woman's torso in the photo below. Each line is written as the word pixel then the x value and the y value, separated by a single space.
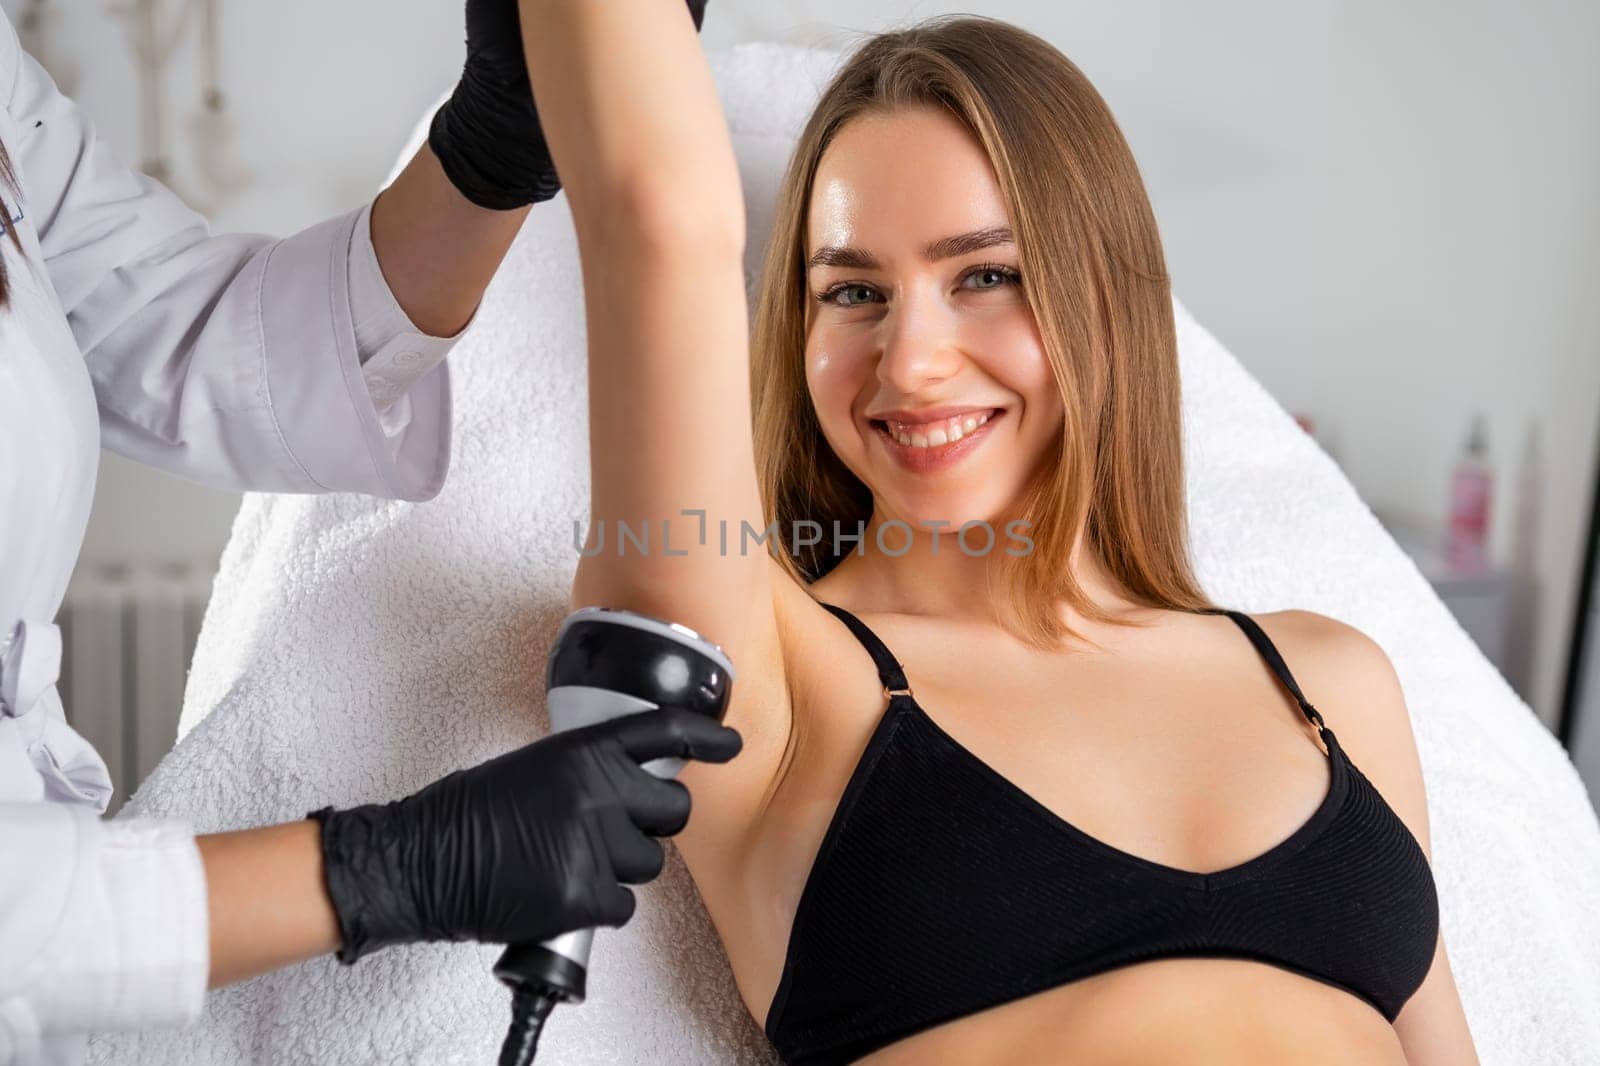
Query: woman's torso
pixel 1162 746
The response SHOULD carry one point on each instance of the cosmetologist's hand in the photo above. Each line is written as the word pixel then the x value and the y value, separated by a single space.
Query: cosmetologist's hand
pixel 487 135
pixel 527 846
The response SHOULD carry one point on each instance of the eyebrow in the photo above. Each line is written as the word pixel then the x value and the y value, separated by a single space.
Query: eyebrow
pixel 933 252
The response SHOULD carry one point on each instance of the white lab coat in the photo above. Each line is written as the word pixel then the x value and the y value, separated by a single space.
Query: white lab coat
pixel 237 361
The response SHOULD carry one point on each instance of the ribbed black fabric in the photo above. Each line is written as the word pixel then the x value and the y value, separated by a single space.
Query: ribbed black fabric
pixel 942 888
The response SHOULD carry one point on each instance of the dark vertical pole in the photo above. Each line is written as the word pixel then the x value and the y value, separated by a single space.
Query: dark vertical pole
pixel 1576 668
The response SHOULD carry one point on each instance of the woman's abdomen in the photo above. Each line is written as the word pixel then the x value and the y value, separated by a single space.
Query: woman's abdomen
pixel 1198 1011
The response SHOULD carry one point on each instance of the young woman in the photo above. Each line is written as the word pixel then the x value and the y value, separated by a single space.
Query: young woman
pixel 1009 793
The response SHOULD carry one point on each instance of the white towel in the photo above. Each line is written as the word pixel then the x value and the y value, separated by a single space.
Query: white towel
pixel 356 649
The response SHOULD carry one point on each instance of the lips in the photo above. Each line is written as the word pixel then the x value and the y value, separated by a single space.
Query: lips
pixel 935 458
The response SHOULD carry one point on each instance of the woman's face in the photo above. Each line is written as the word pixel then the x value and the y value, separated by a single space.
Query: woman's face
pixel 922 356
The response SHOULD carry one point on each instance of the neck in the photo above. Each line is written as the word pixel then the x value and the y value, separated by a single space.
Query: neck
pixel 933 576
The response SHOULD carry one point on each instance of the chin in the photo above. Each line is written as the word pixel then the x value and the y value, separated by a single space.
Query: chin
pixel 954 512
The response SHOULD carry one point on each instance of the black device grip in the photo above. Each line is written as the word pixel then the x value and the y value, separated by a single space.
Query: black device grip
pixel 636 656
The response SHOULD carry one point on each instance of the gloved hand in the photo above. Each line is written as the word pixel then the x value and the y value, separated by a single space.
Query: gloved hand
pixel 487 135
pixel 524 847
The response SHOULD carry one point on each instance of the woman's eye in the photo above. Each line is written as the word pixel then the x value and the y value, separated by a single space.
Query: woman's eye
pixel 1006 276
pixel 831 295
pixel 1000 276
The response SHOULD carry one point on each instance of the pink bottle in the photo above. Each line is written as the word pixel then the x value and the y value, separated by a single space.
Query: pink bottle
pixel 1466 547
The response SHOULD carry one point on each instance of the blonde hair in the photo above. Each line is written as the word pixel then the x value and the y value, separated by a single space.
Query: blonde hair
pixel 1096 283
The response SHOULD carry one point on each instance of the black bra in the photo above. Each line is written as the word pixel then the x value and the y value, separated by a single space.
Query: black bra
pixel 941 888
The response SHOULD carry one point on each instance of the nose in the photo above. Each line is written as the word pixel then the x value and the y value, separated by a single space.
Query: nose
pixel 920 344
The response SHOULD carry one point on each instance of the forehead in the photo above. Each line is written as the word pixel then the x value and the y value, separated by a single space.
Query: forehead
pixel 890 182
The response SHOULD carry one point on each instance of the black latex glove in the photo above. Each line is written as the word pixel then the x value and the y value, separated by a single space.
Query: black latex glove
pixel 487 135
pixel 527 846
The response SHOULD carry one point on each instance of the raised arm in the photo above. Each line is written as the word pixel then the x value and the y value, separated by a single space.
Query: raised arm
pixel 639 139
pixel 638 136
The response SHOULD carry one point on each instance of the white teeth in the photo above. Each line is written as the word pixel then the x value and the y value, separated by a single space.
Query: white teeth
pixel 946 432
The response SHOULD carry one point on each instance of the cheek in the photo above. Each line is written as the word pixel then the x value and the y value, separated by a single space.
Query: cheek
pixel 834 376
pixel 1016 359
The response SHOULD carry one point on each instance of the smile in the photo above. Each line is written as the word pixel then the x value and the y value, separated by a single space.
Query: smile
pixel 935 446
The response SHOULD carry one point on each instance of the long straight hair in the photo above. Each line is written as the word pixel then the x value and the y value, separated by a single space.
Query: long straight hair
pixel 1099 292
pixel 8 178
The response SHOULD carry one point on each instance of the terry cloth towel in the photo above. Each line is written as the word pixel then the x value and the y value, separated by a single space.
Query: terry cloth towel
pixel 356 649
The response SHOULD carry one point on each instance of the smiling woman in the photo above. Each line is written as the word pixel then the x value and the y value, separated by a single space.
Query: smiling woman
pixel 965 320
pixel 925 439
pixel 931 305
pixel 1085 291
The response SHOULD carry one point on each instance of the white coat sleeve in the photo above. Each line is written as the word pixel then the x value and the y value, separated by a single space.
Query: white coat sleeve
pixel 103 923
pixel 233 360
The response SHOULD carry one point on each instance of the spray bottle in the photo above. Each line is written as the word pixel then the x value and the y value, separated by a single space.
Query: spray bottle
pixel 1466 547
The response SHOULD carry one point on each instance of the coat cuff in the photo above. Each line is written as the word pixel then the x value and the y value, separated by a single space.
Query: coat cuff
pixel 394 353
pixel 133 949
pixel 320 402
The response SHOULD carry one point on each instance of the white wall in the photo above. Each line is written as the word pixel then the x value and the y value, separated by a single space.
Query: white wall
pixel 1387 211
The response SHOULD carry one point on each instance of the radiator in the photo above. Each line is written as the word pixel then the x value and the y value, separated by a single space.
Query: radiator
pixel 127 635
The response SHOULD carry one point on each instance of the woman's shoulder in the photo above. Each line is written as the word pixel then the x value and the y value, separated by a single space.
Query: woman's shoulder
pixel 1339 668
pixel 1324 645
pixel 1348 676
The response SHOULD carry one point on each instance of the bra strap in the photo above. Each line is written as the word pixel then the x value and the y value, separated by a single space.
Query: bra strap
pixel 1264 645
pixel 889 669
